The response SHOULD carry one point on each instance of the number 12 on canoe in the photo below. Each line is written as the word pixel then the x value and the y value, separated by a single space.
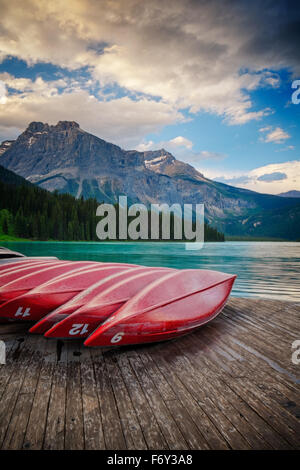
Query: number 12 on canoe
pixel 79 329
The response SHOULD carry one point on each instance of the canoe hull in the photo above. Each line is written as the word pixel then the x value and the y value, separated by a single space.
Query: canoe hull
pixel 166 322
pixel 102 303
pixel 82 325
pixel 34 304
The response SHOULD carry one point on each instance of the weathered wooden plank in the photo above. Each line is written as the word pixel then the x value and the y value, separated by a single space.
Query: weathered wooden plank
pixel 258 416
pixel 163 416
pixel 268 309
pixel 55 425
pixel 260 323
pixel 260 402
pixel 7 369
pixel 268 364
pixel 202 432
pixel 276 383
pixel 248 323
pixel 9 397
pixel 204 397
pixel 231 384
pixel 145 415
pixel 18 424
pixel 93 431
pixel 161 383
pixel 74 427
pixel 178 411
pixel 131 427
pixel 112 429
pixel 218 394
pixel 259 434
pixel 267 346
pixel 36 428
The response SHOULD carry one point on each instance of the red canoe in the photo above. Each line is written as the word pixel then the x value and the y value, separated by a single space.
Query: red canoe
pixel 170 307
pixel 85 296
pixel 12 262
pixel 23 284
pixel 7 253
pixel 41 300
pixel 87 318
pixel 14 273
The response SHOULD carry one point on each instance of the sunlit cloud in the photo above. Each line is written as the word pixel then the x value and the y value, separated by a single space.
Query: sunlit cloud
pixel 122 120
pixel 3 93
pixel 275 178
pixel 182 55
pixel 277 135
pixel 180 141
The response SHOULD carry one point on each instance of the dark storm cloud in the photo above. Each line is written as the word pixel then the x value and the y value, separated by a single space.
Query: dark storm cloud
pixel 269 177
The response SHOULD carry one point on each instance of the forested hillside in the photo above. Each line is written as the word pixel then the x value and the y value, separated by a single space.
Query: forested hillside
pixel 27 211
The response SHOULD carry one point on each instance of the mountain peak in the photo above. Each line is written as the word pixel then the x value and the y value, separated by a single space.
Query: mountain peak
pixel 64 157
pixel 36 126
pixel 64 125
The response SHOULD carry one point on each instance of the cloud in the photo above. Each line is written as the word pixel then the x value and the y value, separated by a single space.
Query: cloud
pixel 3 93
pixel 190 55
pixel 182 149
pixel 269 177
pixel 177 144
pixel 180 141
pixel 286 148
pixel 265 129
pixel 272 79
pixel 273 179
pixel 277 135
pixel 121 120
pixel 236 181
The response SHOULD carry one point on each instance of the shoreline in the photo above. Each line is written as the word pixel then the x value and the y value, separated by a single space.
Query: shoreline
pixel 248 240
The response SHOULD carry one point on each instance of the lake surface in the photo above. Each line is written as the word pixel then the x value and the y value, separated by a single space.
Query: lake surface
pixel 264 269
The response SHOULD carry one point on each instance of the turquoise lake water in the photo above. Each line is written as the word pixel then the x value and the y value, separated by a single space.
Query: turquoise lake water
pixel 264 269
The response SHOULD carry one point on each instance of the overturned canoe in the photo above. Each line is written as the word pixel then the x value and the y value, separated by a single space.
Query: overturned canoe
pixel 84 297
pixel 7 253
pixel 38 299
pixel 91 313
pixel 23 284
pixel 12 261
pixel 167 308
pixel 109 303
pixel 105 277
pixel 15 272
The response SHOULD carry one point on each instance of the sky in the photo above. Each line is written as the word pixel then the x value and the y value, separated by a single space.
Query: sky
pixel 209 81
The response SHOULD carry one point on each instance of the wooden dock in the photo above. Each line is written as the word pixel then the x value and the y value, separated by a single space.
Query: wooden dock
pixel 230 385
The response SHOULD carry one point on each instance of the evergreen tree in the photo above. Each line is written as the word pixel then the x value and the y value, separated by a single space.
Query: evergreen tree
pixel 31 212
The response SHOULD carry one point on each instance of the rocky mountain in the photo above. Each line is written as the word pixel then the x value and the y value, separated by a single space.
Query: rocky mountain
pixel 68 159
pixel 5 145
pixel 65 158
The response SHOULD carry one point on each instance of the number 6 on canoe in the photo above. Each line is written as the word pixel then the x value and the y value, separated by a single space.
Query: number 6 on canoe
pixel 118 337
